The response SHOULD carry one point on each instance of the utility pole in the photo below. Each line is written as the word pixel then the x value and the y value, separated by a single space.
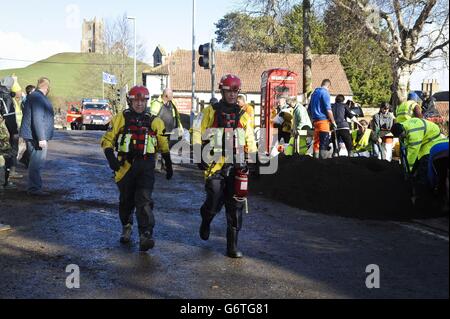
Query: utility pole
pixel 135 46
pixel 194 110
pixel 213 68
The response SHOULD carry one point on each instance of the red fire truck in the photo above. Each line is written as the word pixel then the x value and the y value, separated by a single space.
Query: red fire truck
pixel 274 83
pixel 89 113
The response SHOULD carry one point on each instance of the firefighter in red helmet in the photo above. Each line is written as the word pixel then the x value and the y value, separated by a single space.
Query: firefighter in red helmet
pixel 136 136
pixel 228 140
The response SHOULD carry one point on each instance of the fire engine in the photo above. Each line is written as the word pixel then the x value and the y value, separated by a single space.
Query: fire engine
pixel 89 114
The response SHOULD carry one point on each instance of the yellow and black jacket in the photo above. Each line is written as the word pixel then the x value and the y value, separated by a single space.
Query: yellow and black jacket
pixel 208 125
pixel 152 138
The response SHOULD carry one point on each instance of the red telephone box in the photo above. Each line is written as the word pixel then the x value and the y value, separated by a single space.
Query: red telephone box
pixel 274 83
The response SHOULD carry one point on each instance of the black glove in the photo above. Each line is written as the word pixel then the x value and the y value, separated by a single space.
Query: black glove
pixel 168 164
pixel 114 163
pixel 333 126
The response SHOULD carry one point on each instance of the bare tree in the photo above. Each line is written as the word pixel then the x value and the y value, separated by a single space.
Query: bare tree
pixel 276 10
pixel 418 30
pixel 119 50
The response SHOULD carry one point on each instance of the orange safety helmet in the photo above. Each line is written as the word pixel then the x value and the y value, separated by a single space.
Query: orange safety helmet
pixel 139 93
pixel 230 82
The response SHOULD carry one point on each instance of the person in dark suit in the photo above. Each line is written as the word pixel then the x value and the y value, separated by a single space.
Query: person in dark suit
pixel 37 130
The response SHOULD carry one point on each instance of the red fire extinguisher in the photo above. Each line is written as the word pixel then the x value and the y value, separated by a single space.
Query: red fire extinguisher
pixel 241 183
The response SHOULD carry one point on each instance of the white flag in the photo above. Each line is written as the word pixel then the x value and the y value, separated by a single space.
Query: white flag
pixel 109 78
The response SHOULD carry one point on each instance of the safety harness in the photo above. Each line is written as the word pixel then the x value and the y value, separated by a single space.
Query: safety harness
pixel 229 122
pixel 137 139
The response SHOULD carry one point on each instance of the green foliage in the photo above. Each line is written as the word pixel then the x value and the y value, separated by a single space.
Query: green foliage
pixel 293 25
pixel 242 32
pixel 367 66
pixel 73 76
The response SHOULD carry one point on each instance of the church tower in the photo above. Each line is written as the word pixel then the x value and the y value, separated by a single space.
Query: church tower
pixel 92 36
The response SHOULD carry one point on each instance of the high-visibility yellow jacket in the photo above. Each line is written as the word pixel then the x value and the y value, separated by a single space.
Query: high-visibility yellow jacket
pixel 363 145
pixel 116 128
pixel 248 108
pixel 155 108
pixel 205 121
pixel 297 144
pixel 19 113
pixel 405 111
pixel 421 136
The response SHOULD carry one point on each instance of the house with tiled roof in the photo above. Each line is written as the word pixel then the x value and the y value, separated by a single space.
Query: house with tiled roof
pixel 176 73
pixel 442 104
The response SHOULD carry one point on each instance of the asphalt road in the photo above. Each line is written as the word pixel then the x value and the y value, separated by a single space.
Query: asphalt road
pixel 289 253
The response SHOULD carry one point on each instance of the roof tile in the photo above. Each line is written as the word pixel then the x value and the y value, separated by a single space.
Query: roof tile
pixel 249 67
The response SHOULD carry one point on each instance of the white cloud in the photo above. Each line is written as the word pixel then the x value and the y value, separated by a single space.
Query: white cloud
pixel 17 47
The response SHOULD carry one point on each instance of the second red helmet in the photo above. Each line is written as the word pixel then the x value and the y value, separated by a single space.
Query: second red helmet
pixel 230 82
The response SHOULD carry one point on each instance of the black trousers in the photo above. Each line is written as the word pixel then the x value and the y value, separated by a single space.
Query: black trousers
pixel 136 189
pixel 346 138
pixel 219 192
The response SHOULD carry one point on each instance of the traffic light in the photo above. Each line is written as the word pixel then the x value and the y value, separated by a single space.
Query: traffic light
pixel 119 95
pixel 205 51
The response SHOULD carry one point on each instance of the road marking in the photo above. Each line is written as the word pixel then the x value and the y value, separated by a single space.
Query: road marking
pixel 423 231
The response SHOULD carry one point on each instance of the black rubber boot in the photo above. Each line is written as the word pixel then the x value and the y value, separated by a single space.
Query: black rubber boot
pixel 205 225
pixel 126 234
pixel 146 241
pixel 6 181
pixel 204 230
pixel 232 238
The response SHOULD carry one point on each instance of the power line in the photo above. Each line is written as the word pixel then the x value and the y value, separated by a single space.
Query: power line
pixel 70 63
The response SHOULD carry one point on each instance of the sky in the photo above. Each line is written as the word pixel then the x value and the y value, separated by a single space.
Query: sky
pixel 36 30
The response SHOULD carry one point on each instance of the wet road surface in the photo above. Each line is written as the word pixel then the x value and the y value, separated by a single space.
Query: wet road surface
pixel 289 253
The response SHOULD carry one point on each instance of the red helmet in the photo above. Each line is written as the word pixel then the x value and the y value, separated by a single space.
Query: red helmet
pixel 230 82
pixel 139 92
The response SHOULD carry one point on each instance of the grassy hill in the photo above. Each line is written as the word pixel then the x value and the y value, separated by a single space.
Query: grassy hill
pixel 75 75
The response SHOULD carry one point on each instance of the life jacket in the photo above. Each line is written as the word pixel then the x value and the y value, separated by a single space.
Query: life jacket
pixel 227 126
pixel 137 138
